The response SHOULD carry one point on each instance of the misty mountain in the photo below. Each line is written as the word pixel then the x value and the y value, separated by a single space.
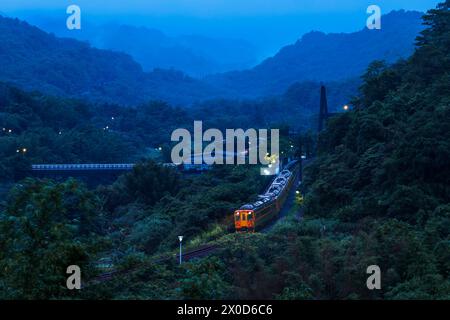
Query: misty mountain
pixel 326 57
pixel 195 55
pixel 34 59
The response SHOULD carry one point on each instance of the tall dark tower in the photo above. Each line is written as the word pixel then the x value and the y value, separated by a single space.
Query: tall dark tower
pixel 323 115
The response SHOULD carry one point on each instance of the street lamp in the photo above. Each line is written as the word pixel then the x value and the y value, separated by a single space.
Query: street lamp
pixel 181 241
pixel 346 107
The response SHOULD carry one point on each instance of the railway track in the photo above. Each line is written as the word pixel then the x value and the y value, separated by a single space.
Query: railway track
pixel 188 255
pixel 198 253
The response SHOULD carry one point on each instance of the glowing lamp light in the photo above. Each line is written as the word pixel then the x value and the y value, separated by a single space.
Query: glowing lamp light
pixel 346 107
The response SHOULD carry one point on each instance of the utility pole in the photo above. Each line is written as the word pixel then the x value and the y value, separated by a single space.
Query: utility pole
pixel 181 242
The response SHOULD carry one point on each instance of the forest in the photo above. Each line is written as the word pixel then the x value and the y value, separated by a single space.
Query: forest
pixel 376 193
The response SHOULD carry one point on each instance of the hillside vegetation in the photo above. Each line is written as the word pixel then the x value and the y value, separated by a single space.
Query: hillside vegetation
pixel 34 59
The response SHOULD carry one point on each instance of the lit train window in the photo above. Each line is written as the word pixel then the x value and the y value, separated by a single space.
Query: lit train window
pixel 237 217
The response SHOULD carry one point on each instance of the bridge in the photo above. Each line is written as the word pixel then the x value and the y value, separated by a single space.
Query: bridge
pixel 197 163
pixel 82 167
pixel 97 173
pixel 113 168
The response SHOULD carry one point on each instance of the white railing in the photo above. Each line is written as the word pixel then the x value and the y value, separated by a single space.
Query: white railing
pixel 107 166
pixel 82 167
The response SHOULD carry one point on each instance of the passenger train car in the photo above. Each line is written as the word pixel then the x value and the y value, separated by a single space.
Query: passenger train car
pixel 254 216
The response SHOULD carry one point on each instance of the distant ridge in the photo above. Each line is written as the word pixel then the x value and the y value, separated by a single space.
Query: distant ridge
pixel 33 59
pixel 327 57
pixel 195 55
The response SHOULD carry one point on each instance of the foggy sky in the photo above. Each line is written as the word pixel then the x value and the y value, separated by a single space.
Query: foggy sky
pixel 209 8
pixel 269 24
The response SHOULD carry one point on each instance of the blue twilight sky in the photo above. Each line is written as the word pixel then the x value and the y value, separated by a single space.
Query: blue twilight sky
pixel 269 24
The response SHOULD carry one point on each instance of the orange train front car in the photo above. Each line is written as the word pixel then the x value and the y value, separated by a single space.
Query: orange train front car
pixel 244 220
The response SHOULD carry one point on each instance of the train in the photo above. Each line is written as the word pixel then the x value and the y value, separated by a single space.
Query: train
pixel 255 216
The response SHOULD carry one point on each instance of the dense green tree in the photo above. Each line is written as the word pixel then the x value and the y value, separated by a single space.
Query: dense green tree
pixel 45 228
pixel 204 280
